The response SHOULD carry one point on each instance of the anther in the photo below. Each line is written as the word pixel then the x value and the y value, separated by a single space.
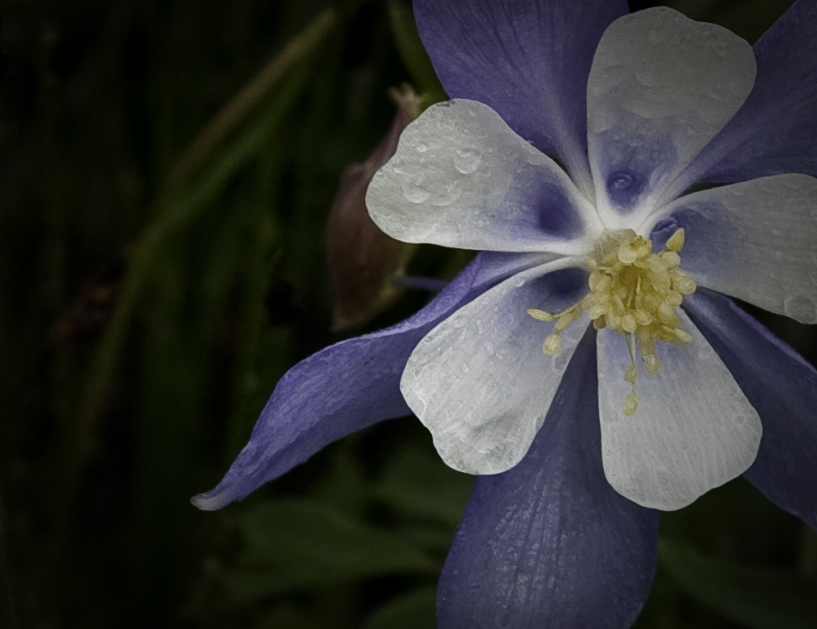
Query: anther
pixel 540 315
pixel 652 364
pixel 633 292
pixel 552 344
pixel 630 404
pixel 676 241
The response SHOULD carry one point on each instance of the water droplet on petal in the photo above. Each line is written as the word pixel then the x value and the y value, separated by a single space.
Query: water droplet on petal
pixel 422 148
pixel 467 161
pixel 450 195
pixel 415 194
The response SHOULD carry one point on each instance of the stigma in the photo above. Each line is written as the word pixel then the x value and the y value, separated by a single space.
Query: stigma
pixel 633 292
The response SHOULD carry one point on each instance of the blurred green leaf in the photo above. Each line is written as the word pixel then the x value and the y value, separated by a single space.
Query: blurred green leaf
pixel 755 597
pixel 412 52
pixel 418 482
pixel 311 535
pixel 246 586
pixel 344 486
pixel 298 544
pixel 287 616
pixel 434 537
pixel 415 610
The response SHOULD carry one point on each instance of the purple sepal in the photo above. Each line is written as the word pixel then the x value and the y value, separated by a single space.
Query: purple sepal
pixel 529 61
pixel 344 388
pixel 782 387
pixel 549 543
pixel 775 132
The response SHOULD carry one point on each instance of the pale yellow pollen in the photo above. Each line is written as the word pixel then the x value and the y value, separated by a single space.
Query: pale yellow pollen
pixel 540 315
pixel 652 364
pixel 552 344
pixel 634 292
pixel 630 404
pixel 676 241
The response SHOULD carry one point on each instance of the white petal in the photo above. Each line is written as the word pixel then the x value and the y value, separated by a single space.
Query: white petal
pixel 480 381
pixel 462 178
pixel 693 430
pixel 756 241
pixel 661 87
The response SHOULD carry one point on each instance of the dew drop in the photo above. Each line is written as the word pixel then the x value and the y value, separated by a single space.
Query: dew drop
pixel 801 308
pixel 415 194
pixel 467 161
pixel 451 194
pixel 422 148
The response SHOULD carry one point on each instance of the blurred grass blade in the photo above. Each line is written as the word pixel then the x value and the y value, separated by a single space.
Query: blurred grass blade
pixel 412 52
pixel 236 110
pixel 756 598
pixel 174 213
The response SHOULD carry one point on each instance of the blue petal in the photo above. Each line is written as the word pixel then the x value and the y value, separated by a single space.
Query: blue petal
pixel 782 387
pixel 528 60
pixel 549 543
pixel 344 388
pixel 776 130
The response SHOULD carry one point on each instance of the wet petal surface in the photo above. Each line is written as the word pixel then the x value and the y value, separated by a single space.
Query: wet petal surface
pixel 776 130
pixel 782 387
pixel 462 178
pixel 756 241
pixel 480 381
pixel 549 543
pixel 661 87
pixel 528 60
pixel 694 428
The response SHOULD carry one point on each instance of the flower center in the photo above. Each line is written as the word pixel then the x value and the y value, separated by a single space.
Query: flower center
pixel 634 292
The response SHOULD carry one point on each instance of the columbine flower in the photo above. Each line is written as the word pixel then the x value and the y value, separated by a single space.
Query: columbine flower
pixel 569 157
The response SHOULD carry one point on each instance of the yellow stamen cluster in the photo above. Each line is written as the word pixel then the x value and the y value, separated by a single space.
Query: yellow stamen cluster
pixel 633 292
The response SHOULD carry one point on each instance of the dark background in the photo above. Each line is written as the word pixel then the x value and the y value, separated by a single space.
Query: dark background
pixel 159 274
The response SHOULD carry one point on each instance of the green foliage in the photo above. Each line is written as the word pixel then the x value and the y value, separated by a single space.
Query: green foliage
pixel 754 597
pixel 414 610
pixel 166 173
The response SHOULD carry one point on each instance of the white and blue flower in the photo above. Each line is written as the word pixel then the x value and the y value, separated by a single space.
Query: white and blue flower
pixel 572 155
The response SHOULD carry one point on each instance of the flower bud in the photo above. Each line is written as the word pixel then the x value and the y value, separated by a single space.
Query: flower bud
pixel 362 259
